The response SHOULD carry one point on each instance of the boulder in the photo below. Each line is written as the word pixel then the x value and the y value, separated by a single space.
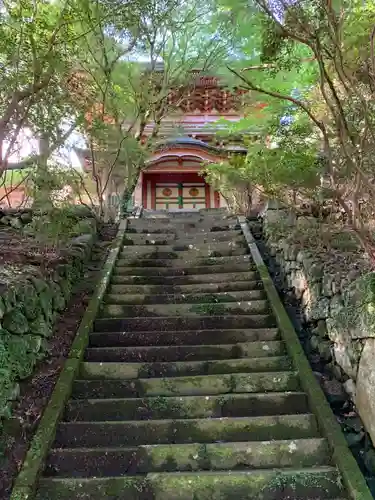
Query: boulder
pixel 15 322
pixel 365 394
pixel 342 358
pixel 40 327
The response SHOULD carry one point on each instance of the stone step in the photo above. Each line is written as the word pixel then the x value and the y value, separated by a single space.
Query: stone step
pixel 202 298
pixel 209 430
pixel 108 371
pixel 316 483
pixel 188 385
pixel 142 226
pixel 104 462
pixel 185 407
pixel 186 289
pixel 183 246
pixel 194 337
pixel 202 236
pixel 180 323
pixel 142 354
pixel 168 252
pixel 186 214
pixel 186 310
pixel 183 271
pixel 184 280
pixel 176 263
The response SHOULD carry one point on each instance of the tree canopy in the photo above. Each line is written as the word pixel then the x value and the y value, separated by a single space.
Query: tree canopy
pixel 93 66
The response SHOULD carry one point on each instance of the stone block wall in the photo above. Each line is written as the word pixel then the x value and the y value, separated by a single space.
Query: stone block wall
pixel 335 286
pixel 30 301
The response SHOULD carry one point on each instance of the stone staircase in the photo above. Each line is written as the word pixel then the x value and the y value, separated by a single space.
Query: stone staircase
pixel 186 390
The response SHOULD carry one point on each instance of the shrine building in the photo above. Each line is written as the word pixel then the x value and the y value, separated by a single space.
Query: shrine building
pixel 188 139
pixel 172 178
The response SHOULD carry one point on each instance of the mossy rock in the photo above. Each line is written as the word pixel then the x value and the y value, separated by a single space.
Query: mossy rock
pixel 62 270
pixel 7 386
pixel 39 284
pixel 3 333
pixel 85 227
pixel 66 288
pixel 73 271
pixel 35 343
pixel 58 299
pixel 10 299
pixel 45 300
pixel 40 327
pixel 21 361
pixel 26 217
pixel 84 240
pixel 78 253
pixel 16 223
pixel 2 308
pixel 30 301
pixel 78 211
pixel 16 322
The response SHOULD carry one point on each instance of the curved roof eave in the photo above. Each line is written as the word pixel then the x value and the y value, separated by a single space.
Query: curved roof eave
pixel 187 141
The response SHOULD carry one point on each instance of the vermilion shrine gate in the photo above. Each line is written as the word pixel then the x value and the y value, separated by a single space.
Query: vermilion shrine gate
pixel 172 178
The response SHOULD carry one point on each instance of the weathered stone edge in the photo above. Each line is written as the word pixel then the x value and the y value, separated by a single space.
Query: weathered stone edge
pixel 352 476
pixel 26 481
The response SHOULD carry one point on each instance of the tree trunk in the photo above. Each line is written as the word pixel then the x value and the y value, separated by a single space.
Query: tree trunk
pixel 42 190
pixel 129 190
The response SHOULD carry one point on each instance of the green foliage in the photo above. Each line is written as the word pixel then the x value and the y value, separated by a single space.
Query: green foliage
pixel 38 54
pixel 13 178
pixel 290 162
pixel 56 227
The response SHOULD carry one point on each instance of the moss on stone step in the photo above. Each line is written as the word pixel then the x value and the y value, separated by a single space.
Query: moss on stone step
pixel 185 280
pixel 202 298
pixel 182 309
pixel 111 371
pixel 142 432
pixel 157 238
pixel 188 457
pixel 197 385
pixel 183 323
pixel 322 483
pixel 170 252
pixel 115 488
pixel 198 406
pixel 179 262
pixel 121 339
pixel 186 289
pixel 186 270
pixel 185 353
pixel 220 384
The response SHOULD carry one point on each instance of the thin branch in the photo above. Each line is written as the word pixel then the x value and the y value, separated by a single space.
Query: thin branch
pixel 277 95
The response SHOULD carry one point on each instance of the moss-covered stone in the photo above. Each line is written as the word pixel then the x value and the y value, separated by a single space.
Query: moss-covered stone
pixel 66 288
pixel 39 284
pixel 9 298
pixel 40 326
pixel 20 359
pixel 58 299
pixel 30 301
pixel 2 308
pixel 45 299
pixel 15 322
pixel 35 343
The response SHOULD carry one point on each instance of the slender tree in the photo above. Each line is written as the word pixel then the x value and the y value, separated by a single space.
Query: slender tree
pixel 330 47
pixel 132 77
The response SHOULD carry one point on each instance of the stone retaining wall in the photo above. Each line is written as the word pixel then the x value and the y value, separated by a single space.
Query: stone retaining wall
pixel 29 303
pixel 333 281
